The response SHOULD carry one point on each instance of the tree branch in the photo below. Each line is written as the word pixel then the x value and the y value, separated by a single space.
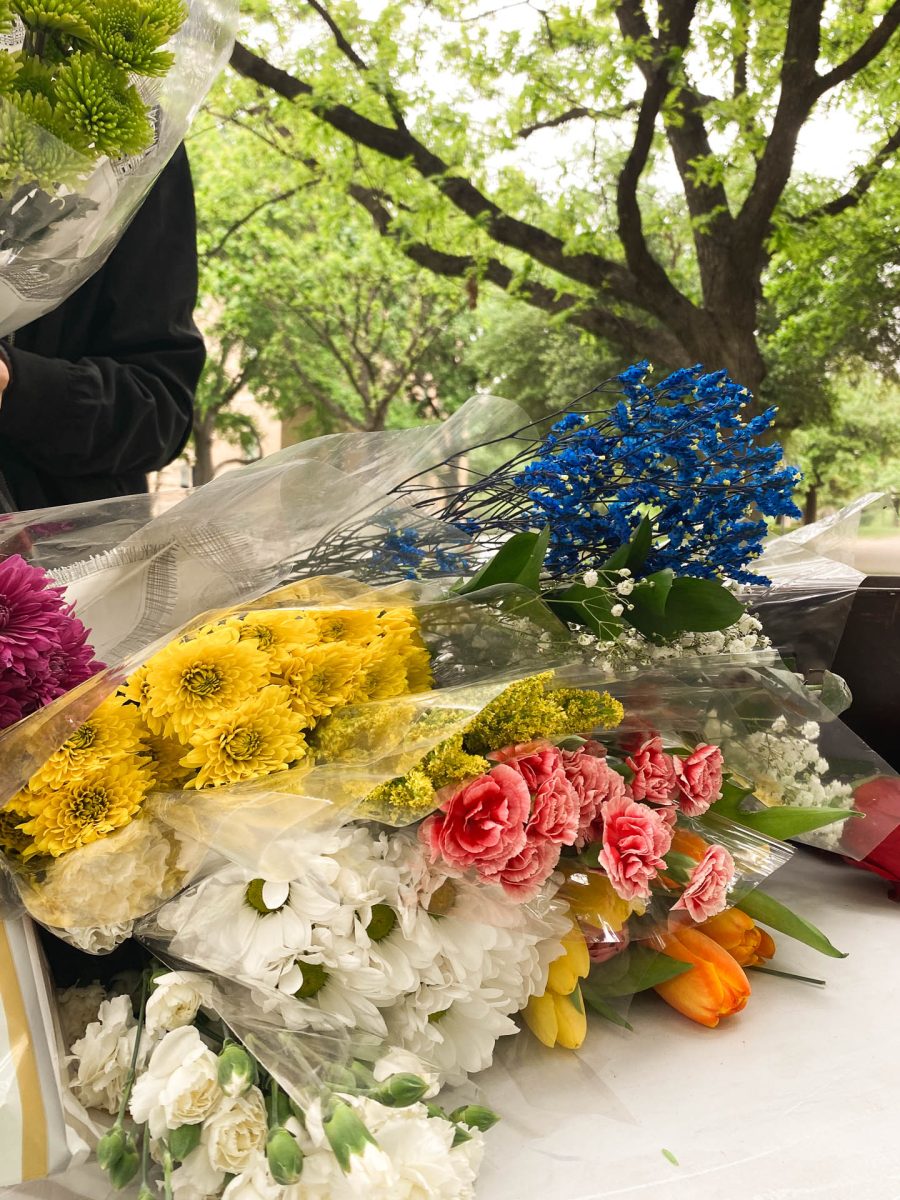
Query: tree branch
pixel 578 113
pixel 257 208
pixel 860 186
pixel 861 57
pixel 590 269
pixel 632 336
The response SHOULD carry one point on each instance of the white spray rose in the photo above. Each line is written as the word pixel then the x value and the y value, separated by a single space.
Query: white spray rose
pixel 236 1131
pixel 175 1001
pixel 179 1086
pixel 101 1059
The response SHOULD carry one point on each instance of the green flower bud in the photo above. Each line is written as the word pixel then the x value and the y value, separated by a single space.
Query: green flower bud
pixel 460 1137
pixel 146 1193
pixel 475 1117
pixel 182 1141
pixel 341 1079
pixel 237 1071
pixel 124 1169
pixel 346 1133
pixel 111 1147
pixel 399 1091
pixel 284 1156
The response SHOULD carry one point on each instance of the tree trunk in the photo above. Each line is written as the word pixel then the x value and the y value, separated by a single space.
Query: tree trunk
pixel 811 504
pixel 203 470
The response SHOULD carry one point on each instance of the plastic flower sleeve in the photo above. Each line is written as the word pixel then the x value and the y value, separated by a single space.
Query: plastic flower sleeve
pixel 66 196
pixel 813 580
pixel 782 746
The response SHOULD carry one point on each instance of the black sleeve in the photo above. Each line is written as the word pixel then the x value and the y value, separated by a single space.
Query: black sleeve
pixel 127 404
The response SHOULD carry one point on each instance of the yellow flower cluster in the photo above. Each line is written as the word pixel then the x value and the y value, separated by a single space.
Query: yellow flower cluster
pixel 527 710
pixel 232 701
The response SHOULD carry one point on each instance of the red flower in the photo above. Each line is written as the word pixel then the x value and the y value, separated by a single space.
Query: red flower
pixel 707 889
pixel 635 842
pixel 879 799
pixel 482 825
pixel 594 781
pixel 699 780
pixel 527 870
pixel 654 773
pixel 554 811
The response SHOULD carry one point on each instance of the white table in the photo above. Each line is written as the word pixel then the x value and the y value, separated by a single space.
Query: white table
pixel 796 1098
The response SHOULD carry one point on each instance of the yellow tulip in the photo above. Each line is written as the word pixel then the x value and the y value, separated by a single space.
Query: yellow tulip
pixel 739 934
pixel 557 1020
pixel 573 964
pixel 593 900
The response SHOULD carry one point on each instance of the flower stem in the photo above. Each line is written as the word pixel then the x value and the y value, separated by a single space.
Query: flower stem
pixel 132 1070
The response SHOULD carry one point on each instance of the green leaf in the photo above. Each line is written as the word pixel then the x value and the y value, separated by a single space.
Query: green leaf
pixel 517 561
pixel 588 606
pixel 692 606
pixel 634 970
pixel 603 1008
pixel 633 554
pixel 788 821
pixel 651 594
pixel 769 911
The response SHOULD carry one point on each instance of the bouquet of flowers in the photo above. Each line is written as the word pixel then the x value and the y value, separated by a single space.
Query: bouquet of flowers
pixel 94 98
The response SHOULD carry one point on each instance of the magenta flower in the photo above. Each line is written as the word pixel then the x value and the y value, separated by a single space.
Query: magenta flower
pixel 44 650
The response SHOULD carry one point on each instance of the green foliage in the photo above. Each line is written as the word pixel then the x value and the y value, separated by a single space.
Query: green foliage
pixel 69 97
pixel 766 910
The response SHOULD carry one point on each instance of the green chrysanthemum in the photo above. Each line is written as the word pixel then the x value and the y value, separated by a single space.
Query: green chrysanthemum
pixel 10 66
pixel 96 96
pixel 58 16
pixel 130 34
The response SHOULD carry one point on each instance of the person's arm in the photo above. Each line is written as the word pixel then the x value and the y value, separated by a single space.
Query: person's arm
pixel 127 404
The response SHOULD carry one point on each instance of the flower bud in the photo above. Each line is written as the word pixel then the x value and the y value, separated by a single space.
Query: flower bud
pixel 236 1071
pixel 475 1116
pixel 346 1133
pixel 399 1091
pixel 284 1156
pixel 182 1141
pixel 111 1147
pixel 146 1193
pixel 342 1079
pixel 126 1166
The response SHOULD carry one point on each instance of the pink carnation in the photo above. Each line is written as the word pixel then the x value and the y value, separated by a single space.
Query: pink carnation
pixel 554 811
pixel 594 781
pixel 654 773
pixel 707 890
pixel 536 762
pixel 635 842
pixel 482 825
pixel 699 780
pixel 526 871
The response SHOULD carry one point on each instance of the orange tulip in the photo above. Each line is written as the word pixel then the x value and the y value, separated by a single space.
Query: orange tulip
pixel 739 934
pixel 688 843
pixel 715 987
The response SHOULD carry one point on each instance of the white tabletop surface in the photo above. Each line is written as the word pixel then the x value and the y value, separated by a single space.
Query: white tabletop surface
pixel 796 1098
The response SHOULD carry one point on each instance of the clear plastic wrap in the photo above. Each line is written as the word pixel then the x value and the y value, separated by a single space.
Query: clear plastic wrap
pixel 813 581
pixel 61 210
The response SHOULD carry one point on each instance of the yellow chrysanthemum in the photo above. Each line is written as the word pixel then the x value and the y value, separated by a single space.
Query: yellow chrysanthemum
pixel 260 736
pixel 383 677
pixel 113 732
pixel 400 621
pixel 417 661
pixel 355 625
pixel 169 774
pixel 323 678
pixel 66 818
pixel 13 841
pixel 194 685
pixel 278 634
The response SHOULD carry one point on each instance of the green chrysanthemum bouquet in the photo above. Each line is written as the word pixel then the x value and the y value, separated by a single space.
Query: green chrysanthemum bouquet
pixel 95 95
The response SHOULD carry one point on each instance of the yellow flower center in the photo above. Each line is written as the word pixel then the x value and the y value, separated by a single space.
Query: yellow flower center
pixel 83 738
pixel 242 744
pixel 89 805
pixel 202 681
pixel 262 633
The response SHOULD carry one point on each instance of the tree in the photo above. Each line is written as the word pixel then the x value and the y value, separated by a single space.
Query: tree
pixel 305 306
pixel 718 92
pixel 857 450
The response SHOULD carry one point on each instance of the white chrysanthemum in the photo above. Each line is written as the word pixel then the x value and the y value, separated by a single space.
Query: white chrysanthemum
pixel 455 1040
